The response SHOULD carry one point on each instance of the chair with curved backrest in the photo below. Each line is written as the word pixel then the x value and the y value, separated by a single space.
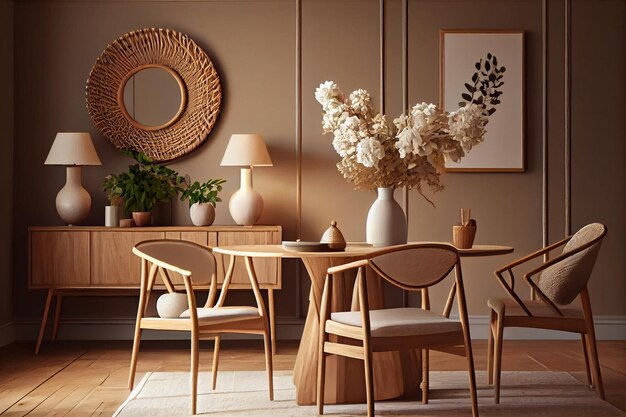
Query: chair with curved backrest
pixel 560 281
pixel 412 267
pixel 194 265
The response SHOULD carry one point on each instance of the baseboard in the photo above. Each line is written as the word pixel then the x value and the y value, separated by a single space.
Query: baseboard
pixel 7 333
pixel 607 328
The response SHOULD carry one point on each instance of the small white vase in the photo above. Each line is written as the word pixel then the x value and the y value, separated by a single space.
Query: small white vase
pixel 111 216
pixel 386 221
pixel 202 214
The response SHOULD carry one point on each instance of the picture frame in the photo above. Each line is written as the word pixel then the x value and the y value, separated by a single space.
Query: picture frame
pixel 503 149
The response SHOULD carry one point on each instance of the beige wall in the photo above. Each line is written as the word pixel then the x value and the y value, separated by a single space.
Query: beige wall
pixel 252 44
pixel 6 158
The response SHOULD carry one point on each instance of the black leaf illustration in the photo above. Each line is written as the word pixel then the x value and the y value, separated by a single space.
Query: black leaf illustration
pixel 466 96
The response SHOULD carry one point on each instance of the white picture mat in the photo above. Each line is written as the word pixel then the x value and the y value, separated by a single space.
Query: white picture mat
pixel 503 146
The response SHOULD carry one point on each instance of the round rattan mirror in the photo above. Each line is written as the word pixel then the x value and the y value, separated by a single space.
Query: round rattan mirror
pixel 153 97
pixel 196 107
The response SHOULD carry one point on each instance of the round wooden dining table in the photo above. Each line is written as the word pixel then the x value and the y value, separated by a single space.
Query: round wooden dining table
pixel 395 373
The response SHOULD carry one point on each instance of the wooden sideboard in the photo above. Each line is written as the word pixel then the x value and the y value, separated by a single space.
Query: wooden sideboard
pixel 86 260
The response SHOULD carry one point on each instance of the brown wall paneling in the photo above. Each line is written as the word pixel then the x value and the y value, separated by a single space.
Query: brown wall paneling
pixel 6 159
pixel 506 206
pixel 599 142
pixel 253 46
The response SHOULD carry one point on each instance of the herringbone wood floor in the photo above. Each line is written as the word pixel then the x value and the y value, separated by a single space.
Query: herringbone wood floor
pixel 89 378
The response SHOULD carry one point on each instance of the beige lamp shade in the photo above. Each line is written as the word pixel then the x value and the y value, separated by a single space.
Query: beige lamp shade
pixel 246 150
pixel 72 148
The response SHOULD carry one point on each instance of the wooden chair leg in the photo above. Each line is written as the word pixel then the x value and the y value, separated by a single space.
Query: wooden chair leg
pixel 425 376
pixel 216 358
pixel 194 370
pixel 586 355
pixel 321 376
pixel 57 316
pixel 472 377
pixel 44 319
pixel 268 363
pixel 490 348
pixel 133 358
pixel 497 369
pixel 591 339
pixel 272 314
pixel 369 380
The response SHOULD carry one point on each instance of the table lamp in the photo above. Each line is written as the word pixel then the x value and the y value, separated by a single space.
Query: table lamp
pixel 73 150
pixel 246 151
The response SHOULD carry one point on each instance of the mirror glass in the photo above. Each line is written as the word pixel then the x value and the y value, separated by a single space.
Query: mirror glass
pixel 152 96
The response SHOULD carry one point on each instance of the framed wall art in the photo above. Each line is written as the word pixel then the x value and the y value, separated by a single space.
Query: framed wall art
pixel 460 51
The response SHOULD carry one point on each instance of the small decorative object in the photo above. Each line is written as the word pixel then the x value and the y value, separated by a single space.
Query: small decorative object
pixel 246 151
pixel 73 150
pixel 410 152
pixel 386 222
pixel 145 184
pixel 172 305
pixel 202 198
pixel 181 58
pixel 113 191
pixel 126 223
pixel 503 148
pixel 463 234
pixel 334 237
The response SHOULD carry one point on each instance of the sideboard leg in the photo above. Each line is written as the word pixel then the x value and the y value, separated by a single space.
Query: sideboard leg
pixel 57 316
pixel 270 301
pixel 44 319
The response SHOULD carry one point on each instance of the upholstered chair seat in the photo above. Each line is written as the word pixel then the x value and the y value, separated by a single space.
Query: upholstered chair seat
pixel 215 315
pixel 537 308
pixel 398 322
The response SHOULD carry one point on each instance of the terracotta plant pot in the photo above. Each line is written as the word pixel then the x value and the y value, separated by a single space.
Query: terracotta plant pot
pixel 142 218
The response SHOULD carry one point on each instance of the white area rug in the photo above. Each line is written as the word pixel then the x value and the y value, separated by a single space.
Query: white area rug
pixel 535 394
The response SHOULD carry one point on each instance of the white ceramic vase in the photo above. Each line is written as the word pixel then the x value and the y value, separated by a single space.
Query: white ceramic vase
pixel 202 214
pixel 111 216
pixel 386 221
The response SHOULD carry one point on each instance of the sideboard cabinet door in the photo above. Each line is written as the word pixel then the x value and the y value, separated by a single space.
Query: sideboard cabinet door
pixel 50 265
pixel 266 269
pixel 113 263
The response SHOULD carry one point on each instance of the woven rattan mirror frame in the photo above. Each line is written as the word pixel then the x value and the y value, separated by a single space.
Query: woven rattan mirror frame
pixel 201 93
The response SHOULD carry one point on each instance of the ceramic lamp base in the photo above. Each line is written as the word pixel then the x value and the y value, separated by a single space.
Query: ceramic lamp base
pixel 73 201
pixel 246 205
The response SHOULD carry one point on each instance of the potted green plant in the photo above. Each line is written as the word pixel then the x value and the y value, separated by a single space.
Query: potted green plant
pixel 202 199
pixel 113 190
pixel 145 184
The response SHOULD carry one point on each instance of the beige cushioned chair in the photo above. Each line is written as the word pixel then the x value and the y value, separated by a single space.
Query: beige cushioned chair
pixel 411 267
pixel 559 282
pixel 192 266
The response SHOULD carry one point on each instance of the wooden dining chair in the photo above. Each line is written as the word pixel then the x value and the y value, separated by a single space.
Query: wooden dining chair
pixel 553 284
pixel 194 265
pixel 411 267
